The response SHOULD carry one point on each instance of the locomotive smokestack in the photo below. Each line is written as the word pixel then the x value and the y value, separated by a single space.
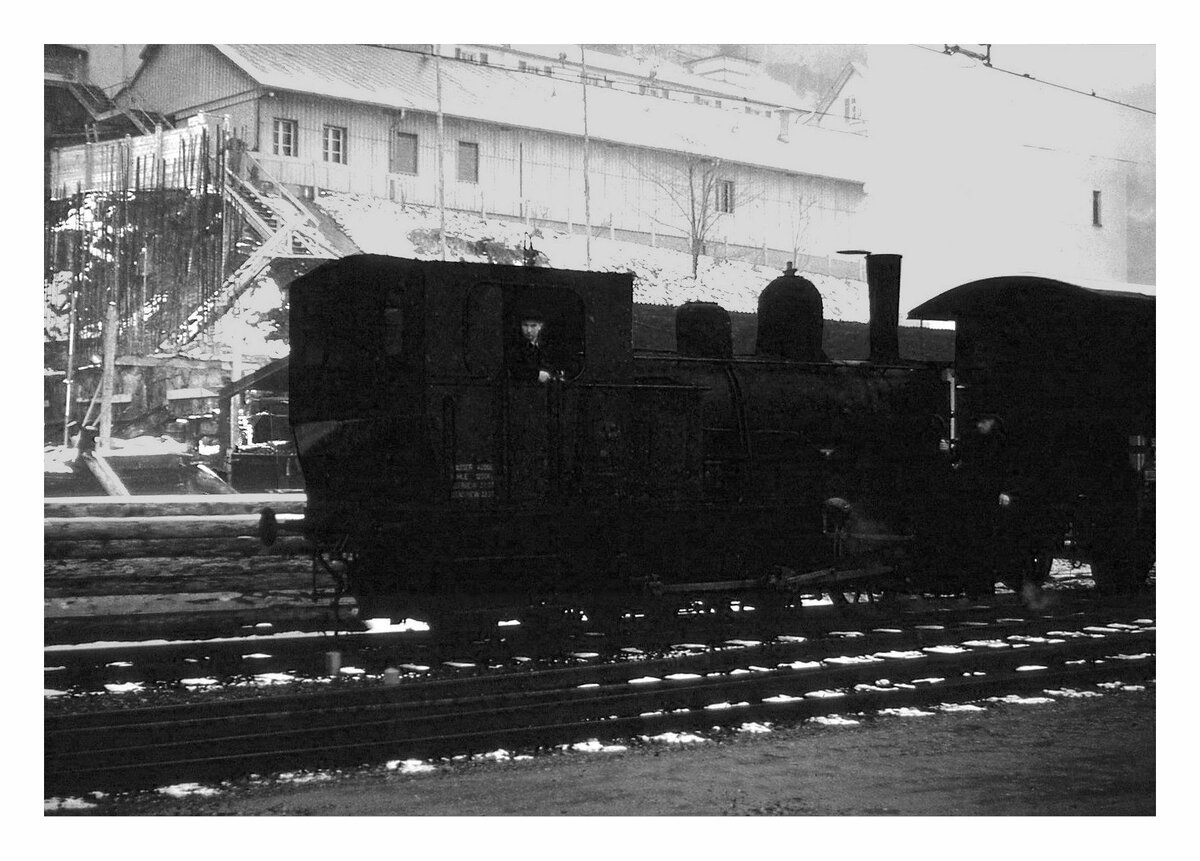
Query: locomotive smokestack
pixel 883 288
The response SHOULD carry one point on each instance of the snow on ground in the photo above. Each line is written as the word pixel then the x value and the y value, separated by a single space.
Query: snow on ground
pixel 661 276
pixel 58 458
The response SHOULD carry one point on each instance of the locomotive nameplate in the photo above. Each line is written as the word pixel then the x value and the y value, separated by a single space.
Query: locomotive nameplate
pixel 473 481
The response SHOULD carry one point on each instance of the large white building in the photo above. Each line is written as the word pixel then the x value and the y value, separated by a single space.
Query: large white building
pixel 364 119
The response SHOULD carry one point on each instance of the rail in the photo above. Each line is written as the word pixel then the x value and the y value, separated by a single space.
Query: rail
pixel 349 725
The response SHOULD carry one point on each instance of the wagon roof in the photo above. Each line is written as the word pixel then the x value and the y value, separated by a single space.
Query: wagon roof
pixel 989 294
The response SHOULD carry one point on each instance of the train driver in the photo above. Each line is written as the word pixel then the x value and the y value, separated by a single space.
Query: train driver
pixel 532 359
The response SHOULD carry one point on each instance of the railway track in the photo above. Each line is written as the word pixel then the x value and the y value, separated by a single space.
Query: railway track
pixel 541 636
pixel 593 694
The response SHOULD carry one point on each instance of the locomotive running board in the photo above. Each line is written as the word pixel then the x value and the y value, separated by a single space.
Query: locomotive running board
pixel 819 577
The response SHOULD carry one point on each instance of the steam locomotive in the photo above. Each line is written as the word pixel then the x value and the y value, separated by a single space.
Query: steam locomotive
pixel 439 465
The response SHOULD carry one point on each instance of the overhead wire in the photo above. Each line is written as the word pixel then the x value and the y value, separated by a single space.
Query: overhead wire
pixel 1029 77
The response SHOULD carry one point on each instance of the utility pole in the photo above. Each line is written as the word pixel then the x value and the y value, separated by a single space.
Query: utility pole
pixel 109 375
pixel 441 156
pixel 587 189
pixel 76 280
pixel 70 381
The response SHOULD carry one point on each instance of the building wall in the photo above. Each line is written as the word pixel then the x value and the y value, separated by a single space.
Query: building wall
pixel 524 173
pixel 183 80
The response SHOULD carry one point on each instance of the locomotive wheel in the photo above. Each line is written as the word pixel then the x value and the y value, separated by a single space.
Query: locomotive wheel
pixel 1029 569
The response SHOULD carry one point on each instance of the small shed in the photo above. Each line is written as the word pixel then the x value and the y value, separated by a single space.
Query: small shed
pixel 255 439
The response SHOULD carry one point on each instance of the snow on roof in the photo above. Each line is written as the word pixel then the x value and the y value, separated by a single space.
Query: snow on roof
pixel 760 88
pixel 404 79
pixel 661 276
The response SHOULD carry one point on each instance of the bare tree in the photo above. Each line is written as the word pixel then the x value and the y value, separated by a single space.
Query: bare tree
pixel 799 224
pixel 697 201
pixel 692 190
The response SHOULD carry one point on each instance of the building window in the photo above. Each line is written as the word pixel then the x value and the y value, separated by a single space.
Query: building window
pixel 549 70
pixel 404 153
pixel 460 54
pixel 725 195
pixel 483 58
pixel 850 109
pixel 333 147
pixel 283 137
pixel 1096 222
pixel 468 162
pixel 522 66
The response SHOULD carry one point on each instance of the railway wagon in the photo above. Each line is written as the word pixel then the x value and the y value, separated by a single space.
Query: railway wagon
pixel 1055 424
pixel 440 462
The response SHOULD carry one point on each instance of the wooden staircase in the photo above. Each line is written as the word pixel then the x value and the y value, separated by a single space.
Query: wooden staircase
pixel 279 226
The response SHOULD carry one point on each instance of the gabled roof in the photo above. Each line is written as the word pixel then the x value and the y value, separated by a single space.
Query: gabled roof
pixel 405 79
pixel 852 68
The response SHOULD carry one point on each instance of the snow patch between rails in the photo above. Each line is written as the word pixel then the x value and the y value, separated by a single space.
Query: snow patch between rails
pixel 833 720
pixel 1071 693
pixel 69 803
pixel 498 755
pixel 387 626
pixel 185 790
pixel 674 738
pixel 595 746
pixel 197 683
pixel 1015 699
pixel 123 688
pixel 905 711
pixel 752 727
pixel 960 707
pixel 410 766
pixel 855 659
